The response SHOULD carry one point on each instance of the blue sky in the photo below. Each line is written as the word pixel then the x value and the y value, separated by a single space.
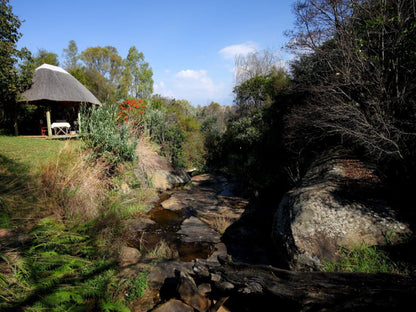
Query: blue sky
pixel 190 45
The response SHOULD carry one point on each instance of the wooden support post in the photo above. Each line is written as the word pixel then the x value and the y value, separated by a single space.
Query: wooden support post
pixel 48 121
pixel 79 122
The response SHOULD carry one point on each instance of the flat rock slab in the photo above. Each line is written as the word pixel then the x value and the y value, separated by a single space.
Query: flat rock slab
pixel 195 230
pixel 139 224
pixel 173 305
pixel 173 203
pixel 164 272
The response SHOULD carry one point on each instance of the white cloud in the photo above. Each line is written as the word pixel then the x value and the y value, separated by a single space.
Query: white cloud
pixel 160 88
pixel 192 74
pixel 196 82
pixel 196 86
pixel 232 51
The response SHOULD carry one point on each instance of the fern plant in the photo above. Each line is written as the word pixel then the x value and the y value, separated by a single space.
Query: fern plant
pixel 63 274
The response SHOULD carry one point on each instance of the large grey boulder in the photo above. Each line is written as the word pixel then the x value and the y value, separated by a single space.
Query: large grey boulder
pixel 334 206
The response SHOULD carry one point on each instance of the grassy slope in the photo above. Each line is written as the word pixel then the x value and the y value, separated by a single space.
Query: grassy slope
pixel 29 152
pixel 20 161
pixel 72 258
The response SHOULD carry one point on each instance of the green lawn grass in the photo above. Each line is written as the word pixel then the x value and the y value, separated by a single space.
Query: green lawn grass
pixel 29 152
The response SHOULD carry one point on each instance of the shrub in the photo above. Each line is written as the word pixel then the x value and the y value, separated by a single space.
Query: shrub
pixel 132 113
pixel 104 132
pixel 163 128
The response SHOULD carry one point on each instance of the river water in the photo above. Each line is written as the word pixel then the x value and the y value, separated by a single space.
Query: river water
pixel 191 221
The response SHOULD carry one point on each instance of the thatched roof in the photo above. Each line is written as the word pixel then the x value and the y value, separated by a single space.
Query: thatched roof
pixel 52 83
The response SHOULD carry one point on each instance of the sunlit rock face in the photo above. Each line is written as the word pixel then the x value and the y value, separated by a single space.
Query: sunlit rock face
pixel 336 205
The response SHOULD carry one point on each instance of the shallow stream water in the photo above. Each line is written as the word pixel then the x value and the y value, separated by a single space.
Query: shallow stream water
pixel 205 200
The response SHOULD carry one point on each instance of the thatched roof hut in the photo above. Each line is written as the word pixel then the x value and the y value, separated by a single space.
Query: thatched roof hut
pixel 52 83
pixel 54 87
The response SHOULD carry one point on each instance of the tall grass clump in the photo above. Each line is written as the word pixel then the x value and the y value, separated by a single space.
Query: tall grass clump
pixel 364 259
pixel 108 136
pixel 73 186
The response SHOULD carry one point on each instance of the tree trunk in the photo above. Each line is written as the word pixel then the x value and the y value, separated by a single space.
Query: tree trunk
pixel 254 288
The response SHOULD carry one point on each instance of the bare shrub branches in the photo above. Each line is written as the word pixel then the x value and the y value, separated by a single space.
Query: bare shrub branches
pixel 358 71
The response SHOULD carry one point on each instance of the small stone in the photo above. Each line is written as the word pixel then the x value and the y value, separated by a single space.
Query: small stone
pixel 204 288
pixel 129 255
pixel 226 286
pixel 6 233
pixel 215 277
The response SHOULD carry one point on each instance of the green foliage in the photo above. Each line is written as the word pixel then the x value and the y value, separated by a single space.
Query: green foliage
pixel 174 126
pixel 173 145
pixel 61 274
pixel 138 75
pixel 102 72
pixel 71 56
pixel 242 145
pixel 362 259
pixel 114 307
pixel 13 79
pixel 255 92
pixel 136 286
pixel 45 57
pixel 251 147
pixel 106 135
pixel 104 60
pixel 10 82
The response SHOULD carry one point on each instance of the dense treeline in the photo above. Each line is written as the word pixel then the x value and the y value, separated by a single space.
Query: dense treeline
pixel 352 84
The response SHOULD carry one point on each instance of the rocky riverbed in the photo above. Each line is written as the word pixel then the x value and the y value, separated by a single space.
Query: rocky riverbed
pixel 189 221
pixel 203 221
pixel 213 247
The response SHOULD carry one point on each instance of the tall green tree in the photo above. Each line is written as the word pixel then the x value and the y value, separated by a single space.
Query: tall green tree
pixel 139 74
pixel 45 57
pixel 71 56
pixel 258 78
pixel 12 81
pixel 14 78
pixel 259 91
pixel 103 71
pixel 105 61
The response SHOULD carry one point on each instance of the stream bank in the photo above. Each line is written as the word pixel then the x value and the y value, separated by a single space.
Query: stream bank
pixel 205 221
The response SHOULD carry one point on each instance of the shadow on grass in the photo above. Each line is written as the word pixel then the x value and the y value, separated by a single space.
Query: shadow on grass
pixel 17 194
pixel 69 284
